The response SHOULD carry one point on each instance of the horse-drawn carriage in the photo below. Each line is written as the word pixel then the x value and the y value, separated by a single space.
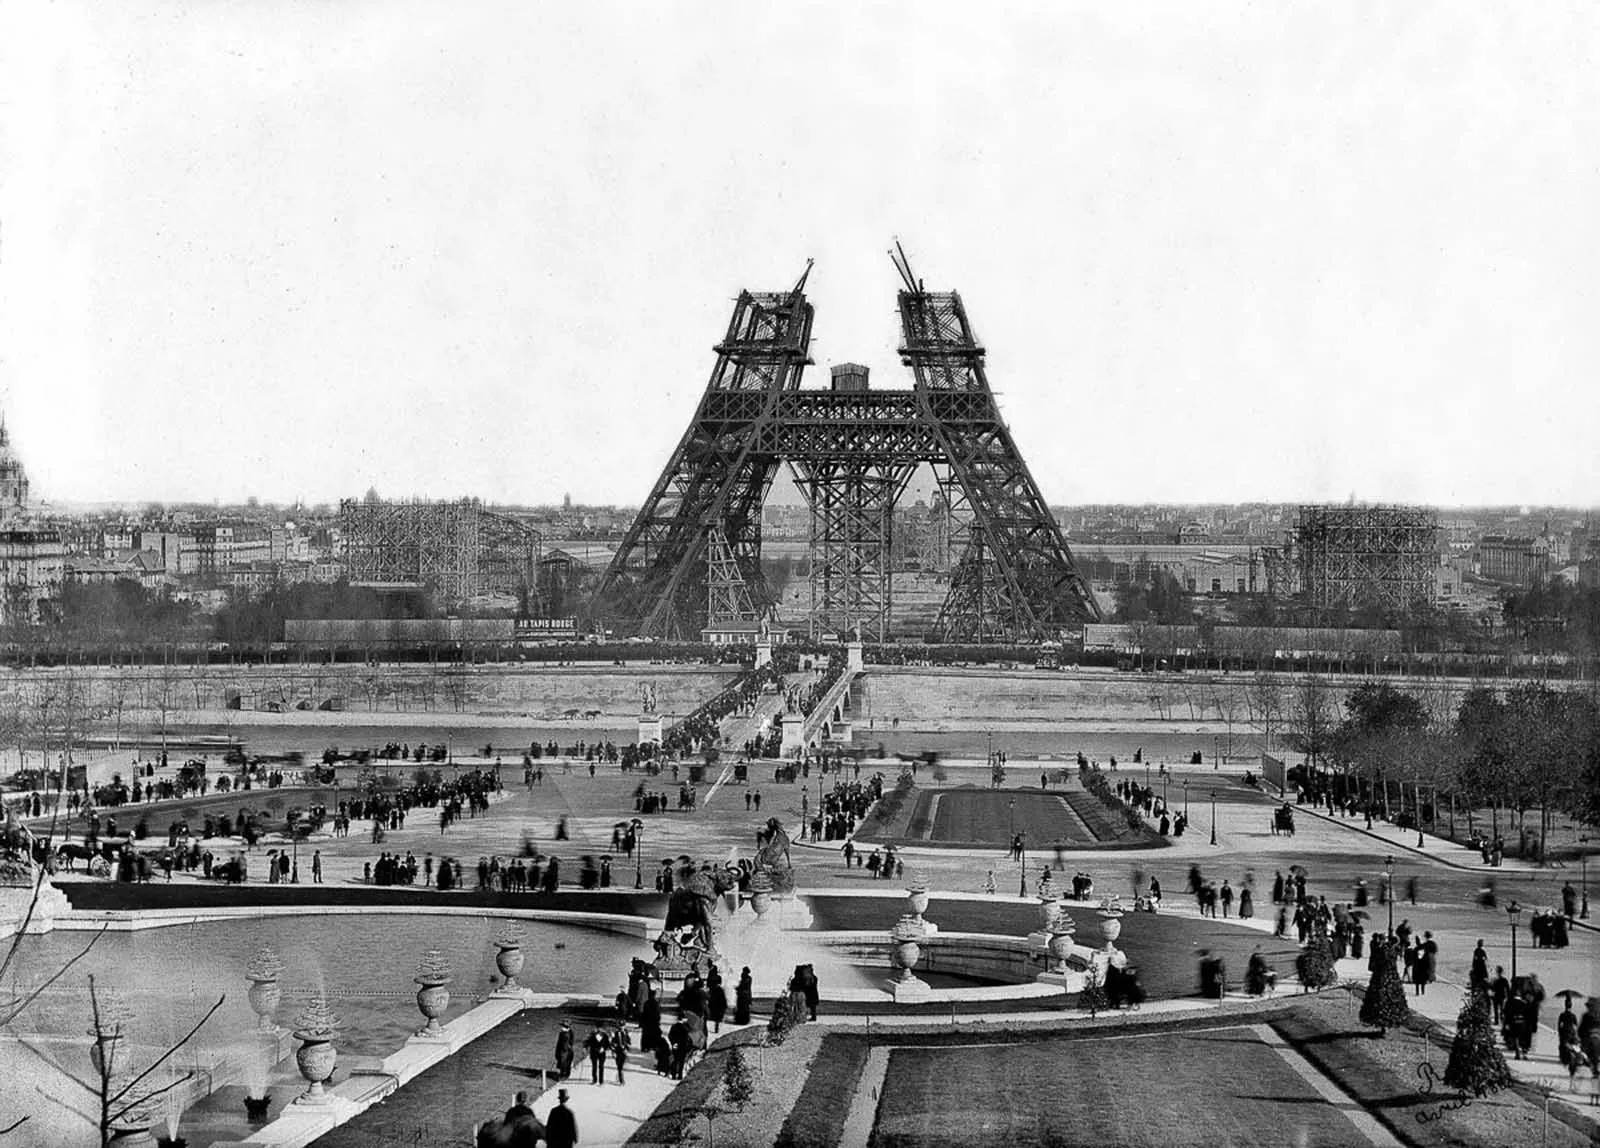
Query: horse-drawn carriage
pixel 1283 821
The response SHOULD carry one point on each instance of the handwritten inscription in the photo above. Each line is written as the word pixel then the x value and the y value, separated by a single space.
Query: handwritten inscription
pixel 1454 1100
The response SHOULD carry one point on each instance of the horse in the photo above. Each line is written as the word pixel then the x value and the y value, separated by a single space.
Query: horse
pixel 70 852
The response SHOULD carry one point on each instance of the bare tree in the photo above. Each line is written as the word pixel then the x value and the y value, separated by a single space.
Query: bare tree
pixel 1227 698
pixel 199 675
pixel 163 698
pixel 117 686
pixel 117 1088
pixel 456 687
pixel 1312 717
pixel 1264 696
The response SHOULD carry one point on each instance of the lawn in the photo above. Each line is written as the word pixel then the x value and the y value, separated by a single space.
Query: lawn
pixel 965 816
pixel 1158 1088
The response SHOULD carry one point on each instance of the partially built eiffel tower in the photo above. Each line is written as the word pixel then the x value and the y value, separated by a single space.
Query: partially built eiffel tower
pixel 852 451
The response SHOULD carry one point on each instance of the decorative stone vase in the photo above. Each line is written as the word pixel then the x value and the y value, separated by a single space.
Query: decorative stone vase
pixel 315 1028
pixel 104 1048
pixel 1059 945
pixel 905 947
pixel 509 957
pixel 1111 924
pixel 315 1058
pixel 761 893
pixel 111 1022
pixel 265 993
pixel 917 905
pixel 131 1129
pixel 433 974
pixel 1049 906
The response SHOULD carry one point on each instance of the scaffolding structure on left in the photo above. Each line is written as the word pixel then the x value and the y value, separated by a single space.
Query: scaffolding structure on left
pixel 458 550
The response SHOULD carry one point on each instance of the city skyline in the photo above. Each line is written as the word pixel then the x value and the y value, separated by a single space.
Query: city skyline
pixel 1291 256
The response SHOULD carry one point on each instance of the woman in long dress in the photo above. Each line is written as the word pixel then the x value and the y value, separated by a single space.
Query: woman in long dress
pixel 742 997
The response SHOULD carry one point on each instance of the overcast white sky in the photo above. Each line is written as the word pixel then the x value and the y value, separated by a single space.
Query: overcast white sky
pixel 1270 251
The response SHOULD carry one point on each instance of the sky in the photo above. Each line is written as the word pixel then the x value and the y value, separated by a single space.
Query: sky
pixel 1216 252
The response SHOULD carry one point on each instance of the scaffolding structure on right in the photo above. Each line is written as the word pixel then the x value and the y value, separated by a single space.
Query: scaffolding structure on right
pixel 1350 556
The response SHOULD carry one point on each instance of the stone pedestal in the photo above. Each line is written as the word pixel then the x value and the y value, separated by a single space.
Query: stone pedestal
pixel 910 989
pixel 763 651
pixel 791 913
pixel 1072 982
pixel 793 739
pixel 853 658
pixel 841 731
pixel 14 906
pixel 649 729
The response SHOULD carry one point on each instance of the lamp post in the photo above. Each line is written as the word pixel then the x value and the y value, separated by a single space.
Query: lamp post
pixel 1388 889
pixel 1186 799
pixel 1213 817
pixel 638 852
pixel 1513 912
pixel 1011 820
pixel 1022 872
pixel 1216 753
pixel 1416 790
pixel 1583 858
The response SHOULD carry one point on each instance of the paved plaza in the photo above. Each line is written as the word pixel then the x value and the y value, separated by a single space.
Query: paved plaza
pixel 1255 1070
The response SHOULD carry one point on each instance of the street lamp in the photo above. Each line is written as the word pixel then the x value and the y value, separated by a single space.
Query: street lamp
pixel 638 852
pixel 1513 912
pixel 1388 888
pixel 1011 821
pixel 1213 817
pixel 1186 799
pixel 1022 873
pixel 1583 858
pixel 1216 753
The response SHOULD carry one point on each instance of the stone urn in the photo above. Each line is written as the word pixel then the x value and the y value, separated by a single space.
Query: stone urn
pixel 265 993
pixel 917 901
pixel 131 1128
pixel 110 1023
pixel 1049 906
pixel 433 974
pixel 1059 946
pixel 1111 923
pixel 508 957
pixel 905 946
pixel 315 1028
pixel 761 893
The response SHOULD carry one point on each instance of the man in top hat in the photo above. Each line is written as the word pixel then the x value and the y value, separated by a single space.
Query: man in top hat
pixel 561 1126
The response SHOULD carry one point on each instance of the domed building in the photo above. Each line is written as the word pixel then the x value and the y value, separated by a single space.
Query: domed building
pixel 13 481
pixel 32 565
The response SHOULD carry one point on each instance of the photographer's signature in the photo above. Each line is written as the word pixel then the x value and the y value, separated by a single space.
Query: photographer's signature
pixel 1430 1077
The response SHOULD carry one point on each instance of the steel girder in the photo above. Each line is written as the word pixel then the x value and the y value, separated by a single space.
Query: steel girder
pixel 852 512
pixel 1017 577
pixel 657 579
pixel 853 452
pixel 727 593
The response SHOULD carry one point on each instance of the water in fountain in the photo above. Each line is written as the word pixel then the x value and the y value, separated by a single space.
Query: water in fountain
pixel 771 954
